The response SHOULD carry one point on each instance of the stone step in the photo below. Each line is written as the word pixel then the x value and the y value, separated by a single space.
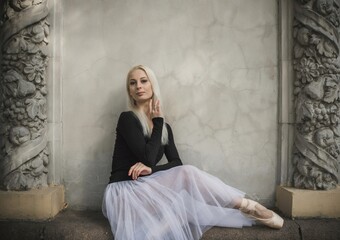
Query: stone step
pixel 88 225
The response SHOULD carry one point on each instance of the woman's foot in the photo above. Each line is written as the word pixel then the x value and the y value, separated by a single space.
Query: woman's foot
pixel 260 213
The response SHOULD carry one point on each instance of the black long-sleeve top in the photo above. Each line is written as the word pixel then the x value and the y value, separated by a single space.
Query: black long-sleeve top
pixel 132 146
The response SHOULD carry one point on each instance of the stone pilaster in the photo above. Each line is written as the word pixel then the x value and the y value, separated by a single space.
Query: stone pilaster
pixel 315 160
pixel 24 152
pixel 23 146
pixel 316 89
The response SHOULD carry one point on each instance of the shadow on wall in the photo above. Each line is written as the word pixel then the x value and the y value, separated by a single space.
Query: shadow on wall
pixel 86 192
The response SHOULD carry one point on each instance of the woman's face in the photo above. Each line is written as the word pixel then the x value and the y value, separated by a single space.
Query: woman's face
pixel 140 88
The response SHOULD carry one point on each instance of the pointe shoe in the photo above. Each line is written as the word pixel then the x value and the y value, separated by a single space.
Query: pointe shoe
pixel 248 208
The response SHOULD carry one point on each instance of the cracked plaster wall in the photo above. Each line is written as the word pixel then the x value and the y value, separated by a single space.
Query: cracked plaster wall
pixel 217 64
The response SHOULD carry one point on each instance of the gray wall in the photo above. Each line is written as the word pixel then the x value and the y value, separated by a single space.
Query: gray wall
pixel 217 65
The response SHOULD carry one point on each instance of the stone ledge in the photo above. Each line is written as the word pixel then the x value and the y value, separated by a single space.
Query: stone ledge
pixel 89 225
pixel 35 204
pixel 303 203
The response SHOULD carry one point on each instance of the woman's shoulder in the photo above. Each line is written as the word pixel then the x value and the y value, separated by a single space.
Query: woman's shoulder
pixel 127 116
pixel 127 121
pixel 126 113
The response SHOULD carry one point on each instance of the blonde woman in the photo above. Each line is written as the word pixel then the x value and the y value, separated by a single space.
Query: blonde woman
pixel 144 200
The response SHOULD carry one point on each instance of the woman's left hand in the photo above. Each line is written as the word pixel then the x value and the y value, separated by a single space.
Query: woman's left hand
pixel 155 109
pixel 139 169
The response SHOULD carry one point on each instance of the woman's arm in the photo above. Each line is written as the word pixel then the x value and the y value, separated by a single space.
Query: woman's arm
pixel 145 151
pixel 171 154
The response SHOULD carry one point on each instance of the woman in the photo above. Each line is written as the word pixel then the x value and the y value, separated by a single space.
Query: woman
pixel 172 201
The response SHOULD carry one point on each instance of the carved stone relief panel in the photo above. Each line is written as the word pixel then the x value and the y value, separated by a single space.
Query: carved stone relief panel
pixel 316 89
pixel 23 115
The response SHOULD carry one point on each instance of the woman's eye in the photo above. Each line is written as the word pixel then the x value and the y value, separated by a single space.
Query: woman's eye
pixel 144 80
pixel 132 83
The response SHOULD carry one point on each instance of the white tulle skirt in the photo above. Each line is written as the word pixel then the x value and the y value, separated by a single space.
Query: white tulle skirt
pixel 179 203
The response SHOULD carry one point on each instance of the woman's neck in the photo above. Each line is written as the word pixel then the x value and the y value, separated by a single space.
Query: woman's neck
pixel 144 107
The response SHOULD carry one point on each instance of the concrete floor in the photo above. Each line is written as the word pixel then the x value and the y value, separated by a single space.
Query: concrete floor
pixel 86 225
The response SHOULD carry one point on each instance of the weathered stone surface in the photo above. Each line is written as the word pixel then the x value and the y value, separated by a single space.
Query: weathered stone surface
pixel 295 202
pixel 316 229
pixel 88 225
pixel 24 154
pixel 289 231
pixel 316 89
pixel 34 204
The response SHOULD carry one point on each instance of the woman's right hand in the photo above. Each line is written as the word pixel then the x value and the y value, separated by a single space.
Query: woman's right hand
pixel 139 169
pixel 155 109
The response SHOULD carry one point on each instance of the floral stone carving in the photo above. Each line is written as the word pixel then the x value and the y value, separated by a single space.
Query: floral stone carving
pixel 23 120
pixel 316 89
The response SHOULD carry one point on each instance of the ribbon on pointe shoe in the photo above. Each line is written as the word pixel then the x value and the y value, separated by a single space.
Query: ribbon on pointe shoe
pixel 248 208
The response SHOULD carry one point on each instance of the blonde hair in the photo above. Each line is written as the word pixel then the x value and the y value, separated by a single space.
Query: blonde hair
pixel 156 96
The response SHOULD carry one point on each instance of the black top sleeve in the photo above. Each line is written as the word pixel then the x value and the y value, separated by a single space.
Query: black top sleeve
pixel 145 150
pixel 171 154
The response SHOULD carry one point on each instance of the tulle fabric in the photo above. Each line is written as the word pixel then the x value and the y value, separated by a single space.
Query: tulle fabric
pixel 177 204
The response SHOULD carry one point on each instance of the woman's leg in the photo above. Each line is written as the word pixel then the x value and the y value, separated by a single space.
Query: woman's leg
pixel 202 188
pixel 206 199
